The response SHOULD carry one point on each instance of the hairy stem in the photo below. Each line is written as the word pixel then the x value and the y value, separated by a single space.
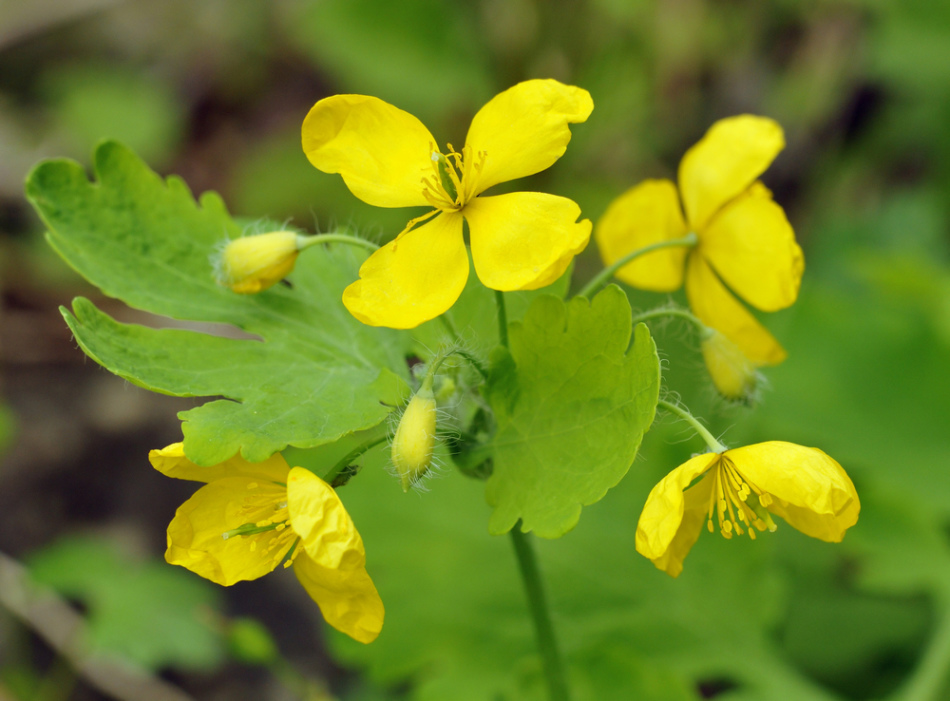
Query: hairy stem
pixel 703 432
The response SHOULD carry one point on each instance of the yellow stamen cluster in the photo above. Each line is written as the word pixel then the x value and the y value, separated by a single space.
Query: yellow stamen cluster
pixel 452 183
pixel 271 502
pixel 730 500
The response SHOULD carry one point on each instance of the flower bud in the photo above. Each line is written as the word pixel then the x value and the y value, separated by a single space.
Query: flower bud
pixel 415 438
pixel 733 374
pixel 254 263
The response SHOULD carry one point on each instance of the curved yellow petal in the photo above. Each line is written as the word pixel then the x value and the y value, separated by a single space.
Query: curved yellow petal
pixel 197 535
pixel 524 240
pixel 382 152
pixel 663 514
pixel 810 489
pixel 171 462
pixel 524 130
pixel 645 214
pixel 347 599
pixel 695 510
pixel 325 528
pixel 732 154
pixel 716 307
pixel 752 246
pixel 412 279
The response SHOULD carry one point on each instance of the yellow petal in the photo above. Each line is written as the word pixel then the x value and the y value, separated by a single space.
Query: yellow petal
pixel 695 511
pixel 196 536
pixel 382 152
pixel 318 516
pixel 811 490
pixel 524 130
pixel 645 214
pixel 524 240
pixel 412 279
pixel 732 154
pixel 752 246
pixel 662 516
pixel 716 307
pixel 347 599
pixel 171 462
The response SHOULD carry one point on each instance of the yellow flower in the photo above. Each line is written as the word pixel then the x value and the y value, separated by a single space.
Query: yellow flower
pixel 387 158
pixel 744 238
pixel 250 517
pixel 740 488
pixel 253 263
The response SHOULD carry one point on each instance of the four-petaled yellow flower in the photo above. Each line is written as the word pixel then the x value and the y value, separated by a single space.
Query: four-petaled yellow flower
pixel 387 158
pixel 740 489
pixel 744 238
pixel 250 517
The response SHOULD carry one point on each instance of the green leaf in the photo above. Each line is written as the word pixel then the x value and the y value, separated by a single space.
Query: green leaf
pixel 149 613
pixel 571 406
pixel 318 374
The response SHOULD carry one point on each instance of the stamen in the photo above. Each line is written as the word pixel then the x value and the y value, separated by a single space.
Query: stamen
pixel 730 500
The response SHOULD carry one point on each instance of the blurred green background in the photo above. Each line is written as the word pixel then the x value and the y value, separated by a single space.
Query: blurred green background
pixel 215 90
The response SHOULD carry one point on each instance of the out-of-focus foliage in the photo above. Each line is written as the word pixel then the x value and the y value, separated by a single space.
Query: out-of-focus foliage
pixel 216 91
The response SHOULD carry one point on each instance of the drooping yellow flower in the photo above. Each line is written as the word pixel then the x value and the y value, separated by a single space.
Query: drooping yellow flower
pixel 744 238
pixel 740 489
pixel 734 375
pixel 387 158
pixel 250 517
pixel 251 264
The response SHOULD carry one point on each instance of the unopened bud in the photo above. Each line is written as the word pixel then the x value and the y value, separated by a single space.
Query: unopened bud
pixel 415 438
pixel 734 375
pixel 254 263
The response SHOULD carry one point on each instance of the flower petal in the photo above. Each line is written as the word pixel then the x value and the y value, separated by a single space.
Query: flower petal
pixel 524 130
pixel 347 599
pixel 524 240
pixel 318 516
pixel 716 307
pixel 695 511
pixel 663 514
pixel 171 462
pixel 196 535
pixel 412 279
pixel 812 491
pixel 752 246
pixel 382 152
pixel 645 214
pixel 732 154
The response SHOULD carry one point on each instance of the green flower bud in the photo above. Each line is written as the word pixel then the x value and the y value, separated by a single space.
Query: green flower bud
pixel 415 438
pixel 734 375
pixel 253 263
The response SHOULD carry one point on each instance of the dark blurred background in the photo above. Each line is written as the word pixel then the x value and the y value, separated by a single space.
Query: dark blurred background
pixel 216 90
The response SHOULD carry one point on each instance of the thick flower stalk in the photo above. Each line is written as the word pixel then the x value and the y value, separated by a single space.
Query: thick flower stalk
pixel 744 241
pixel 250 517
pixel 387 158
pixel 739 490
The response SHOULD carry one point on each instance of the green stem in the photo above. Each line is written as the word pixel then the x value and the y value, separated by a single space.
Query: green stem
pixel 304 242
pixel 670 311
pixel 703 432
pixel 502 318
pixel 544 631
pixel 603 277
pixel 449 326
pixel 347 459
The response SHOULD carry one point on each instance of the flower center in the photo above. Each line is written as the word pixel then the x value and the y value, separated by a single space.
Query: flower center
pixel 452 182
pixel 268 523
pixel 730 501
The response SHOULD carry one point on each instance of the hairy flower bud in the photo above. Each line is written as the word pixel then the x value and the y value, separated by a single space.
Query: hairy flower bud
pixel 734 375
pixel 253 263
pixel 415 438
